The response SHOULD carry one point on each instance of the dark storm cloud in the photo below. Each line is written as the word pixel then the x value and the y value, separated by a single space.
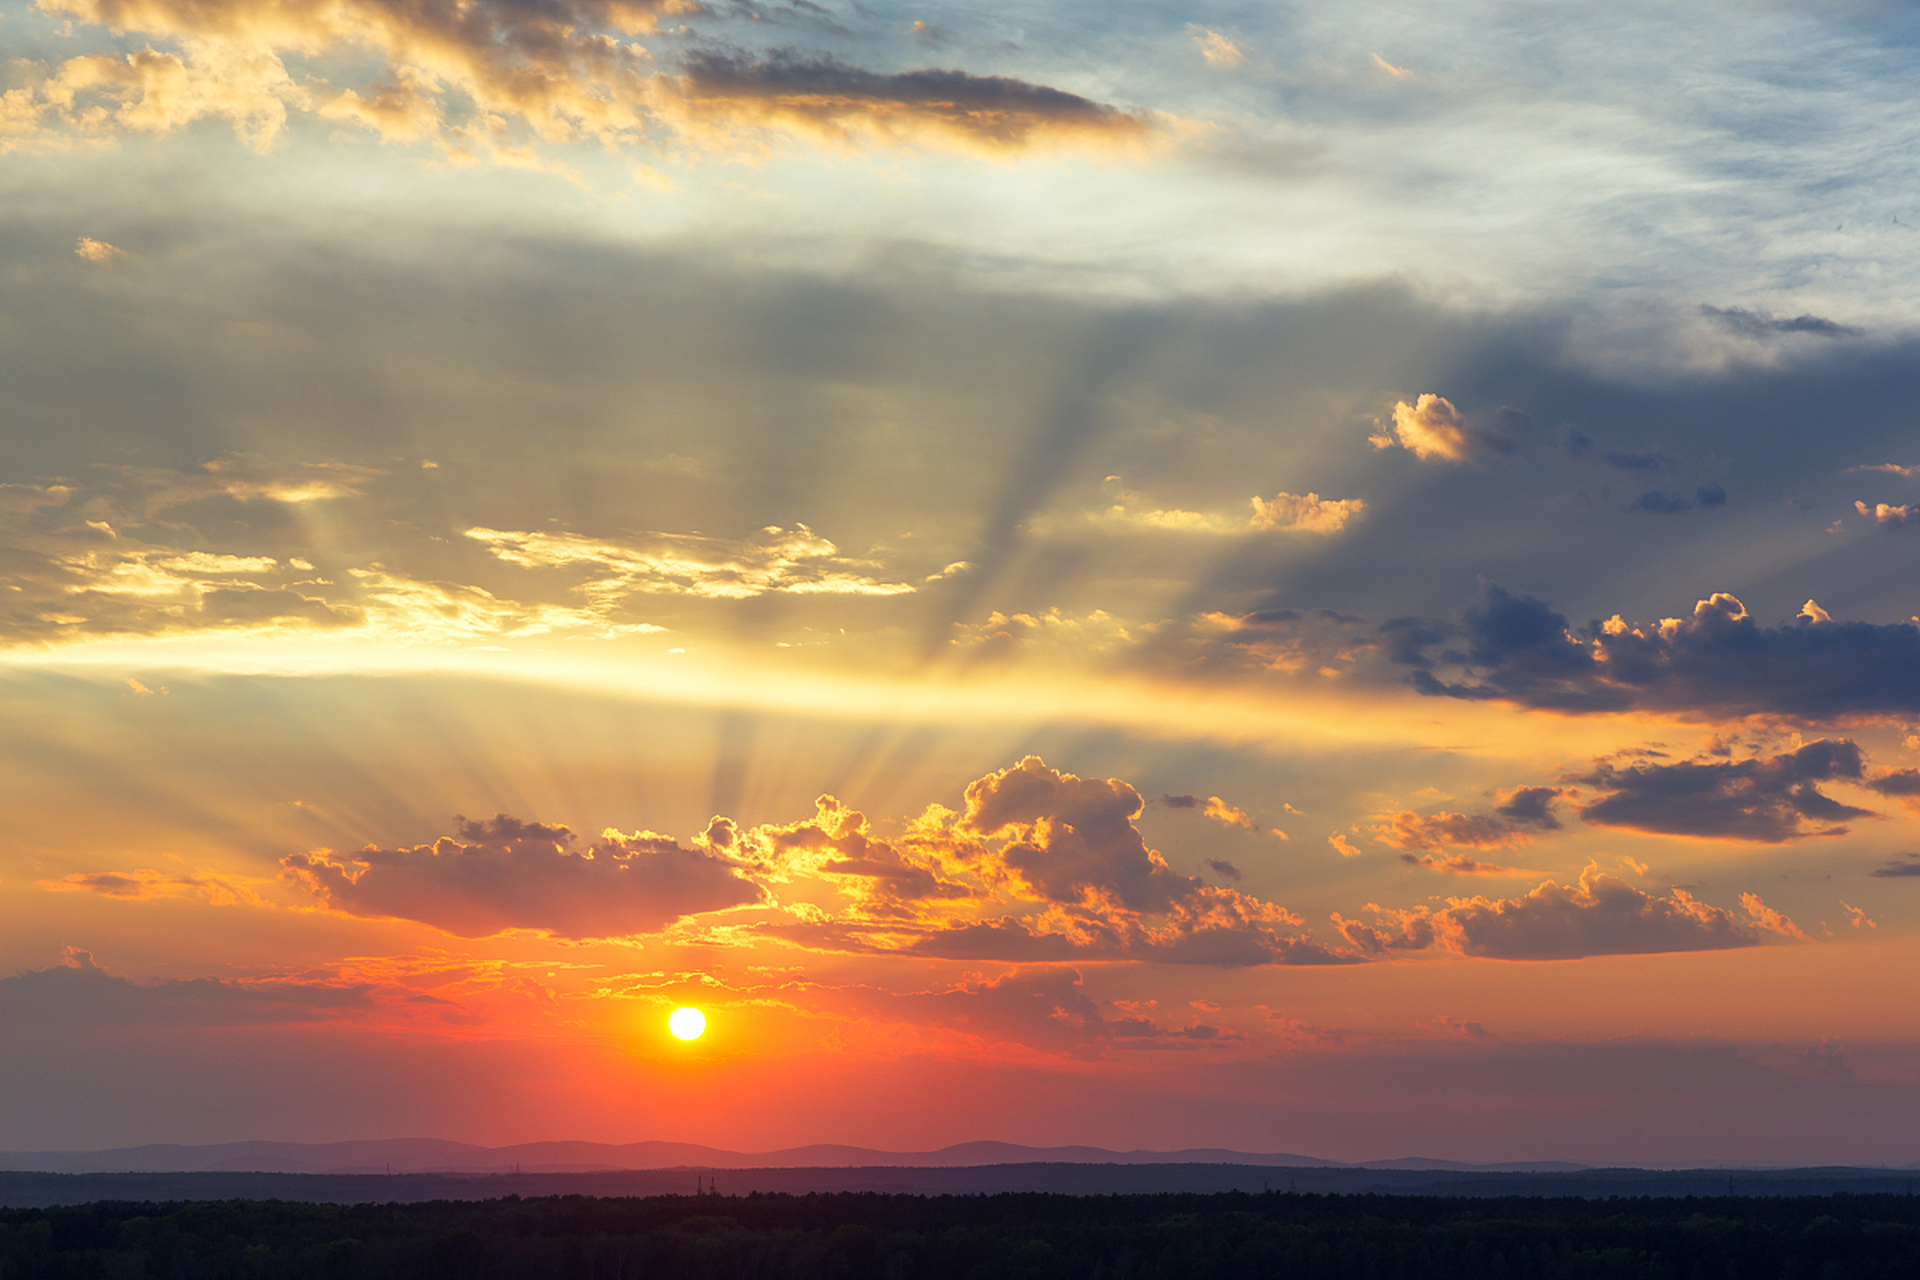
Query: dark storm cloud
pixel 506 874
pixel 998 109
pixel 1764 800
pixel 1760 324
pixel 1532 807
pixel 1718 660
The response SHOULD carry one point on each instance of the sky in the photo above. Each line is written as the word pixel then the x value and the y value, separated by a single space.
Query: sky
pixel 1312 578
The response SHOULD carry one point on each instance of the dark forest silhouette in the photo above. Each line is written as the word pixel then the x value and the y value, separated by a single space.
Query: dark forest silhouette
pixel 897 1237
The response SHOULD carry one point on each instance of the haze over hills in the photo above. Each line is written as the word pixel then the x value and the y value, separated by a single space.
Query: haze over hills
pixel 430 1155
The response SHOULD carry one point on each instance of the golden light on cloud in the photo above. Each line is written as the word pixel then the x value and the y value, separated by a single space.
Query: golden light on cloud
pixel 687 1023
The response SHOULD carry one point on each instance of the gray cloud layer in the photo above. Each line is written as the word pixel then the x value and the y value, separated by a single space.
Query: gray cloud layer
pixel 506 874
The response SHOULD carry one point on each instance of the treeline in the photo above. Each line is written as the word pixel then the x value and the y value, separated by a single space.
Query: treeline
pixel 1048 1237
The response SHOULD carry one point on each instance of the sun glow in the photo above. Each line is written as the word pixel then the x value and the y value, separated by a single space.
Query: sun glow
pixel 687 1023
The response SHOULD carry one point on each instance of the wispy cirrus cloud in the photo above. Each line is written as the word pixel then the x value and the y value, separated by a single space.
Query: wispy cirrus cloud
pixel 794 561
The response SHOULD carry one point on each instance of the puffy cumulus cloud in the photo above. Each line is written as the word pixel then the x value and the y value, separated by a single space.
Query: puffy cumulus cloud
pixel 883 879
pixel 1309 513
pixel 1601 915
pixel 1718 660
pixel 497 80
pixel 1887 516
pixel 1431 428
pixel 1073 839
pixel 154 91
pixel 1038 866
pixel 1768 800
pixel 506 874
pixel 794 561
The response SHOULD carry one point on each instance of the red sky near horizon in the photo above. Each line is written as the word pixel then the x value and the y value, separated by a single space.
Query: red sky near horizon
pixel 1312 581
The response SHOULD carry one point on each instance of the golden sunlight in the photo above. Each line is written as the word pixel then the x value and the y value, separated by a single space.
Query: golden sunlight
pixel 687 1023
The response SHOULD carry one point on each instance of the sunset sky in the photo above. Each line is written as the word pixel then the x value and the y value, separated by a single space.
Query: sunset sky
pixel 1311 577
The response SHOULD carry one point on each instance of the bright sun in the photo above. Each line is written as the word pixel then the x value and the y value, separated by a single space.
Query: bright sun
pixel 687 1023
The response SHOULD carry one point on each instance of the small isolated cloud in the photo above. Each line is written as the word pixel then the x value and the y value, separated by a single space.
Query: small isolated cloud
pixel 1887 516
pixel 1217 50
pixel 1857 916
pixel 1531 807
pixel 1308 513
pixel 96 250
pixel 1225 870
pixel 1461 864
pixel 841 102
pixel 1891 468
pixel 1443 830
pixel 1906 866
pixel 1431 428
pixel 1599 916
pixel 1397 73
pixel 1768 800
pixel 953 570
pixel 1428 428
pixel 507 874
pixel 1212 807
pixel 1220 811
pixel 1343 846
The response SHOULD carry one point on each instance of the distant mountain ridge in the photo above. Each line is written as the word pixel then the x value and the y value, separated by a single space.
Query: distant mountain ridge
pixel 432 1155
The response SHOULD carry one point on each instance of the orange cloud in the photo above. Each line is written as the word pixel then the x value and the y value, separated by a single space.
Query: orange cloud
pixel 491 81
pixel 1887 516
pixel 1306 514
pixel 145 885
pixel 1428 428
pixel 1601 915
pixel 506 874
